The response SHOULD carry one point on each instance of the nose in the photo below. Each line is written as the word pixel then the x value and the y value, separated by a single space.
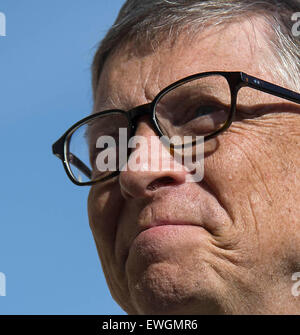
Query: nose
pixel 150 165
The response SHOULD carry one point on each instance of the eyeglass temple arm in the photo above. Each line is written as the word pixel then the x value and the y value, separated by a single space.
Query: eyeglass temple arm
pixel 80 165
pixel 267 87
pixel 57 149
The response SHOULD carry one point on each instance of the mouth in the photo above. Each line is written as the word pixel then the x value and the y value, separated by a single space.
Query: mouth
pixel 171 219
pixel 166 238
pixel 158 223
pixel 162 225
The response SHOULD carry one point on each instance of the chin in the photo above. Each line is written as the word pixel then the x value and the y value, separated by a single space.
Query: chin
pixel 164 288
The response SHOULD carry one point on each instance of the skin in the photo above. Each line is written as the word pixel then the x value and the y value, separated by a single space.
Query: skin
pixel 233 240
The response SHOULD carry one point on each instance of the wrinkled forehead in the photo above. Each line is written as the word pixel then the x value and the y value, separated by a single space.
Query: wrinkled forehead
pixel 133 76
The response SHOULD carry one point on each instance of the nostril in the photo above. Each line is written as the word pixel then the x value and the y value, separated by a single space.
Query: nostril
pixel 160 182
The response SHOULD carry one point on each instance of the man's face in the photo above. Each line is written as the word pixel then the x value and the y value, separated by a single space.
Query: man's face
pixel 228 244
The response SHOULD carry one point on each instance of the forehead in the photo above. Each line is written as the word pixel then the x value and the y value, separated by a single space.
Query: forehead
pixel 131 78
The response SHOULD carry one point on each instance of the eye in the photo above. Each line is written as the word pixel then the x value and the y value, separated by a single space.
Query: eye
pixel 214 113
pixel 205 110
pixel 204 119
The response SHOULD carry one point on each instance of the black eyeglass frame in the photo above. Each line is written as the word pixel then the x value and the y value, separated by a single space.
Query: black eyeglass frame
pixel 235 80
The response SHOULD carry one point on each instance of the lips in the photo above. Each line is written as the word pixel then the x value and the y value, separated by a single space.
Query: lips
pixel 167 223
pixel 161 213
pixel 164 222
pixel 165 239
pixel 167 213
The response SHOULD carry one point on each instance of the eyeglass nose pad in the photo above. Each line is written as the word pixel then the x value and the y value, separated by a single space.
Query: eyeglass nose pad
pixel 135 114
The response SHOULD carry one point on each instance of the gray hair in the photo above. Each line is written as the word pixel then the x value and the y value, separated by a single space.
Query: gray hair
pixel 147 22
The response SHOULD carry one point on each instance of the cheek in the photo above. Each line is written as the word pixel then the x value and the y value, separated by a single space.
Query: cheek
pixel 254 173
pixel 104 206
pixel 267 151
pixel 254 155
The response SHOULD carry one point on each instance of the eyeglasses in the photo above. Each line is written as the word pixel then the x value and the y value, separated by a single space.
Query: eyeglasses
pixel 203 104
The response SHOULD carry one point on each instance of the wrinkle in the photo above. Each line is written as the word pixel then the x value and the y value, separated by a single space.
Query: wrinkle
pixel 208 186
pixel 254 216
pixel 223 252
pixel 255 168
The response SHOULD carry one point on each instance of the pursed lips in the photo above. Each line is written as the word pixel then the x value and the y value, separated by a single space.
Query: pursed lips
pixel 167 225
pixel 203 212
pixel 166 222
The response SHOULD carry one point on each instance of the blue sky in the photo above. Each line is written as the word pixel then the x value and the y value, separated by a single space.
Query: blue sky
pixel 47 252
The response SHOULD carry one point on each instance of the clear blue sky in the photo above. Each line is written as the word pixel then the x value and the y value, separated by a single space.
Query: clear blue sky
pixel 46 248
